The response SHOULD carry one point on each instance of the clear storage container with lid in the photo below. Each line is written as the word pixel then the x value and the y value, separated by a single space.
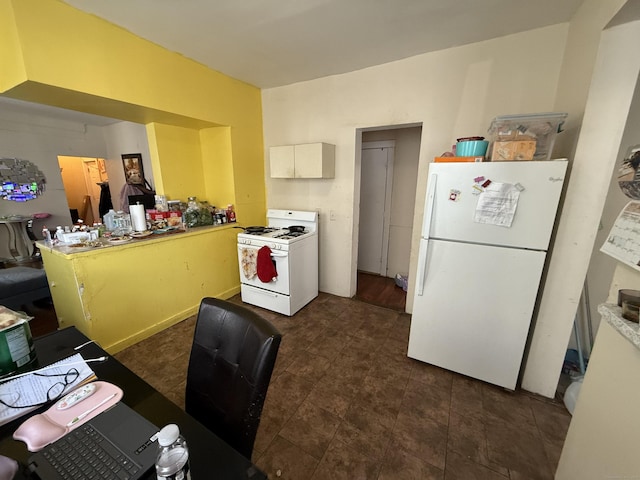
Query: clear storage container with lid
pixel 538 128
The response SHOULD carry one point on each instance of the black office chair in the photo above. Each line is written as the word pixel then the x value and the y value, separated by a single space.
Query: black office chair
pixel 232 358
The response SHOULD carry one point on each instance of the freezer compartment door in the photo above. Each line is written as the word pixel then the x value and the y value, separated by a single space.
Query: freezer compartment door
pixel 475 309
pixel 450 188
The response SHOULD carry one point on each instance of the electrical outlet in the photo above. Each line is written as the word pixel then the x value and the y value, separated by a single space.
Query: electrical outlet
pixel 332 215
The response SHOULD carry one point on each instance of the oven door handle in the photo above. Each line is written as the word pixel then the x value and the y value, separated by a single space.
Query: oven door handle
pixel 274 253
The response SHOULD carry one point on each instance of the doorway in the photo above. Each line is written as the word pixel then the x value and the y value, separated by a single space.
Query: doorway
pixel 83 179
pixel 376 186
pixel 388 173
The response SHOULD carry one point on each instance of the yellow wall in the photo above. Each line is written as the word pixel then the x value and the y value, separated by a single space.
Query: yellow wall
pixel 178 156
pixel 217 166
pixel 12 71
pixel 81 62
pixel 205 139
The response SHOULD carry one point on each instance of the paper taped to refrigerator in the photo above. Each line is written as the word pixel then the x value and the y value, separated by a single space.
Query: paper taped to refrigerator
pixel 497 204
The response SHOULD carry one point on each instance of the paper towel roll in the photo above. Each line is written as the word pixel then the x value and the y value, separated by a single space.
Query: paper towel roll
pixel 138 218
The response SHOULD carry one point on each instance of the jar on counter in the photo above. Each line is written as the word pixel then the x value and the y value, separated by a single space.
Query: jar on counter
pixel 197 214
pixel 122 223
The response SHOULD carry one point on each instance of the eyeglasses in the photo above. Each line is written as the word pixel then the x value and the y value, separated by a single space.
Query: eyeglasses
pixel 55 391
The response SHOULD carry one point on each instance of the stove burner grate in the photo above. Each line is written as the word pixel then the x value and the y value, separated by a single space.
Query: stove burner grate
pixel 289 235
pixel 259 230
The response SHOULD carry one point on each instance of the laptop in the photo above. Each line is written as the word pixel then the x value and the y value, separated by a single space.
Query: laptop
pixel 119 443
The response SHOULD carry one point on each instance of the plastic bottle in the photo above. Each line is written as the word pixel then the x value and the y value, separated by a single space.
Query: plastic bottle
pixel 60 234
pixel 172 461
pixel 108 220
pixel 46 235
pixel 122 223
pixel 231 214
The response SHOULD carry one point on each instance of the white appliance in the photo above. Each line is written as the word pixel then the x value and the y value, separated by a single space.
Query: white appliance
pixel 477 283
pixel 292 237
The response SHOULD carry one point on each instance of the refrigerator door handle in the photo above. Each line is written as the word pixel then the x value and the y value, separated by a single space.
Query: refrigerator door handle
pixel 428 214
pixel 426 229
pixel 422 267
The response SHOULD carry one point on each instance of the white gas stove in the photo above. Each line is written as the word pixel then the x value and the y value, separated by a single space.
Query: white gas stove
pixel 283 277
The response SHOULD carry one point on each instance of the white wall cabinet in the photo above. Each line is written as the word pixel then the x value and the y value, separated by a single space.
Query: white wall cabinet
pixel 308 160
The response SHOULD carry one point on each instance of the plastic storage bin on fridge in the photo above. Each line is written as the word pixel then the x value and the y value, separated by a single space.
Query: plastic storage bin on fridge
pixel 524 137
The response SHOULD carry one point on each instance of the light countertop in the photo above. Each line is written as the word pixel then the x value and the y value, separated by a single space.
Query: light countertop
pixel 613 315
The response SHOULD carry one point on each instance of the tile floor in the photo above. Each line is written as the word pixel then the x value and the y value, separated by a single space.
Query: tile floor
pixel 345 402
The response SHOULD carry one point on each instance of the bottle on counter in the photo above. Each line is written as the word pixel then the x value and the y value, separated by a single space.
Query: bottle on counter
pixel 108 220
pixel 59 234
pixel 122 223
pixel 172 461
pixel 231 214
pixel 46 235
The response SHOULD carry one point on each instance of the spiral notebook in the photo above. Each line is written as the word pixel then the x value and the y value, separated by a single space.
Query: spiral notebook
pixel 31 389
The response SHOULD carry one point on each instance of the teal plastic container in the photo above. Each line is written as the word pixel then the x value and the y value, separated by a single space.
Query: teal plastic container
pixel 472 148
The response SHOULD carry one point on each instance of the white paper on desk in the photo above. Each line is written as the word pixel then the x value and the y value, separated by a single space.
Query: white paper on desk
pixel 497 204
pixel 32 389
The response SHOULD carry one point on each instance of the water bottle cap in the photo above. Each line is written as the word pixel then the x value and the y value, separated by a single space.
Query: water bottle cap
pixel 168 435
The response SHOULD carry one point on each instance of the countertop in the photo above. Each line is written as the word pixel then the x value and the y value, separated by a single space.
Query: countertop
pixel 613 315
pixel 103 244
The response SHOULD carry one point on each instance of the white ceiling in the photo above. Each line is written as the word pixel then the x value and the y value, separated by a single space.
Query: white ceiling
pixel 269 43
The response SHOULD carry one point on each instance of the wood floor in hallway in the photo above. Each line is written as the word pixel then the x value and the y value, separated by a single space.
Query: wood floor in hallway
pixel 380 291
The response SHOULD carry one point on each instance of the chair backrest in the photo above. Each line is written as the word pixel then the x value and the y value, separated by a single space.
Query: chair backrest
pixel 232 357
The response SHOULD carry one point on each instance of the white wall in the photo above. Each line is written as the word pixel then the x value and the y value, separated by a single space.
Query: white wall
pixel 602 266
pixel 403 195
pixel 452 93
pixel 123 138
pixel 41 139
pixel 612 89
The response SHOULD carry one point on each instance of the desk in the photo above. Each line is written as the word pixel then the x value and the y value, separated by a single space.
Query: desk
pixel 210 457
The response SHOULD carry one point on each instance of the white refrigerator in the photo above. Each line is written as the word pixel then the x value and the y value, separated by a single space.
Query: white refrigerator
pixel 485 235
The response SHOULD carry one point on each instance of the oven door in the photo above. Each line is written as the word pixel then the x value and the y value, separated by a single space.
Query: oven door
pixel 247 259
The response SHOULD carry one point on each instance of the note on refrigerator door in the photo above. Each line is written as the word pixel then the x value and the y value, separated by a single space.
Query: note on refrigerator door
pixel 497 204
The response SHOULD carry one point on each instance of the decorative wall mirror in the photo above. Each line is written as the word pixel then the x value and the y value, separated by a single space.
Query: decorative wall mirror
pixel 20 180
pixel 629 173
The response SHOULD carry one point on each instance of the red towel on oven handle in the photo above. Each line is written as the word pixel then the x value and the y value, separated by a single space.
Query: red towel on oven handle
pixel 266 267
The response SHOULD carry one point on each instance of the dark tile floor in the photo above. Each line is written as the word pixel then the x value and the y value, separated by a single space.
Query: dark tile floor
pixel 345 402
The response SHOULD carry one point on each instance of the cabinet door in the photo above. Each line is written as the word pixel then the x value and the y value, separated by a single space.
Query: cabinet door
pixel 282 161
pixel 314 160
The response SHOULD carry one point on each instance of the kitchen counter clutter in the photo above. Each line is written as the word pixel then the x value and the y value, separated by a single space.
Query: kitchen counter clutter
pixel 109 241
pixel 118 295
pixel 604 434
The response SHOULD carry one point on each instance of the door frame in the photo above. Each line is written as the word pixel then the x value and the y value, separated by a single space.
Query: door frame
pixel 385 144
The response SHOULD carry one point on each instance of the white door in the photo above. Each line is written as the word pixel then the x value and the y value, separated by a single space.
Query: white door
pixel 473 312
pixel 376 180
pixel 541 184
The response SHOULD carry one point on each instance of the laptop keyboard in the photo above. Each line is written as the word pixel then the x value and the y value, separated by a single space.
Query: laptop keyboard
pixel 84 454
